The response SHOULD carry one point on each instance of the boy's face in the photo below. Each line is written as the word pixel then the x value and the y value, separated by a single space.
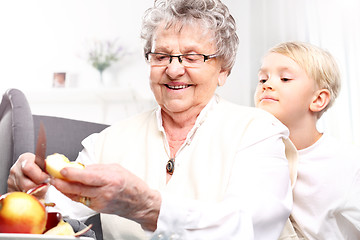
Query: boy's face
pixel 284 89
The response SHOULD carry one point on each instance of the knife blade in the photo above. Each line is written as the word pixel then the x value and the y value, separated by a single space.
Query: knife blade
pixel 40 151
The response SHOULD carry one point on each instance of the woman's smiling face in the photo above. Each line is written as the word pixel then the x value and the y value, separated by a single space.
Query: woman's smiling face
pixel 177 88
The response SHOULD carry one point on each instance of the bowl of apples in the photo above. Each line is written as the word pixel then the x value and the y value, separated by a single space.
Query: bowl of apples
pixel 23 216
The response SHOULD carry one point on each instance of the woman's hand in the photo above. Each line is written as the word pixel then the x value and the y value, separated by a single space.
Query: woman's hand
pixel 114 190
pixel 26 174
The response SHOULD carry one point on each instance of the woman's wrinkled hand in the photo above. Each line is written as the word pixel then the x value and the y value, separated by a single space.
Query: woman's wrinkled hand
pixel 112 189
pixel 26 174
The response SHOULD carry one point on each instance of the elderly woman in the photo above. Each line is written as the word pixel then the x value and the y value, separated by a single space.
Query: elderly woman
pixel 197 166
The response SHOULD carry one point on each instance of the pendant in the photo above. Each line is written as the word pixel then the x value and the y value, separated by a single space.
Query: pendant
pixel 170 166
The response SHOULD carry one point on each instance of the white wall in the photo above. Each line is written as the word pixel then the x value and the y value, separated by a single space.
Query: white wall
pixel 238 85
pixel 40 37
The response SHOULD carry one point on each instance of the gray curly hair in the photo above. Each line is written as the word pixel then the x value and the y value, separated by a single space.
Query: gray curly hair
pixel 212 14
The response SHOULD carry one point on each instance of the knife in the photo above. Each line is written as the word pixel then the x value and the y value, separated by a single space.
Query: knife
pixel 40 151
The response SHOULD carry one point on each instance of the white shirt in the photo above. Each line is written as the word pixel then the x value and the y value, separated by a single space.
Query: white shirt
pixel 327 191
pixel 258 198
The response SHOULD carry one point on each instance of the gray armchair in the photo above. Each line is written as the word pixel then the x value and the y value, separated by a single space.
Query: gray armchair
pixel 64 135
pixel 18 134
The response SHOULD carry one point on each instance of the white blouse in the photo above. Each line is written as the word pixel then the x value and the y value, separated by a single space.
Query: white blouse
pixel 327 191
pixel 256 201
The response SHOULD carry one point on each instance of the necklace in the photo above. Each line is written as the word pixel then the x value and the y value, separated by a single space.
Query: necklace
pixel 170 166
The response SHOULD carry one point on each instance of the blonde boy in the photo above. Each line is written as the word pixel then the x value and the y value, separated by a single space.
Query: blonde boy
pixel 298 82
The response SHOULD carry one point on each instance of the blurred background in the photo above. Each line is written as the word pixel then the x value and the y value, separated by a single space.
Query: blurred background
pixel 45 46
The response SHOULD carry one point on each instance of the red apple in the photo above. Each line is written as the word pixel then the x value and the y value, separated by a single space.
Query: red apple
pixel 53 219
pixel 62 228
pixel 21 213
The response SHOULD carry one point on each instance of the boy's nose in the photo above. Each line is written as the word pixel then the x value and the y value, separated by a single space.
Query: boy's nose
pixel 267 85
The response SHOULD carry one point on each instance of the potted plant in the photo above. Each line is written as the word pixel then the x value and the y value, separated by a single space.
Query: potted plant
pixel 103 54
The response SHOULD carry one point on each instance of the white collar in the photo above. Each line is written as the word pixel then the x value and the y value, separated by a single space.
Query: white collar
pixel 199 120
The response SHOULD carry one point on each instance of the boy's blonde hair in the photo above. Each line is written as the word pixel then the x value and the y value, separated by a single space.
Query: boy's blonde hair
pixel 318 64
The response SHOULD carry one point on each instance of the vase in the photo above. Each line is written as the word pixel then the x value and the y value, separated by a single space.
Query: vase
pixel 108 78
pixel 101 77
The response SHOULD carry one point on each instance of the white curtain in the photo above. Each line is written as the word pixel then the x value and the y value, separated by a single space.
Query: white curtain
pixel 330 24
pixel 336 27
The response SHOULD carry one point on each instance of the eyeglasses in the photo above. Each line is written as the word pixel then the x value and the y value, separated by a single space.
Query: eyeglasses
pixel 187 60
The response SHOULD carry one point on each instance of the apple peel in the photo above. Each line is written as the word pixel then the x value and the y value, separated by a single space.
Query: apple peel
pixel 82 231
pixel 37 189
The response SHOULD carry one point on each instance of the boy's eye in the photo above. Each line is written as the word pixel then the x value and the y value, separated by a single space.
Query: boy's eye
pixel 285 79
pixel 262 81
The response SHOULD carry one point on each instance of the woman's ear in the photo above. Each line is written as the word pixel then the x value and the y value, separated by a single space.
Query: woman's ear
pixel 222 77
pixel 320 101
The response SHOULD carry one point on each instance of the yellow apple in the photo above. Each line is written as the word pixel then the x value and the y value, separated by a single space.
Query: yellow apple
pixel 56 162
pixel 21 213
pixel 63 228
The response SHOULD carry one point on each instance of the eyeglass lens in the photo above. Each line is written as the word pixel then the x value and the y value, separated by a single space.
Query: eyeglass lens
pixel 191 60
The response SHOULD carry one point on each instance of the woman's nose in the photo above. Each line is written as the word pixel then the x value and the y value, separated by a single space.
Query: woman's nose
pixel 175 69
